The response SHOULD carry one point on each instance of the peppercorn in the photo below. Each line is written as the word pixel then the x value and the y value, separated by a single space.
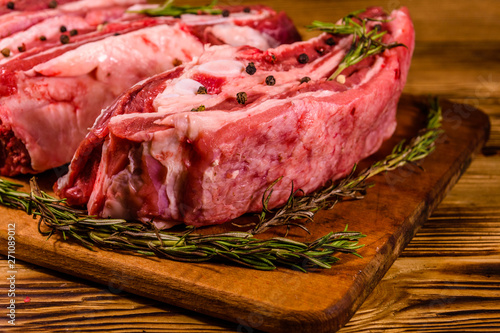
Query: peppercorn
pixel 377 27
pixel 53 4
pixel 64 39
pixel 303 58
pixel 270 80
pixel 305 79
pixel 21 48
pixel 10 5
pixel 251 68
pixel 199 108
pixel 241 97
pixel 42 38
pixel 73 32
pixel 330 41
pixel 5 52
pixel 201 91
pixel 225 13
pixel 246 10
pixel 176 62
pixel 62 28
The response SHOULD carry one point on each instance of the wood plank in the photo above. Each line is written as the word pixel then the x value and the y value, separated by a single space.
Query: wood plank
pixel 286 299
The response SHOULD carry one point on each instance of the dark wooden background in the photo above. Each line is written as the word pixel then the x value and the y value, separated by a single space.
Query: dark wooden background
pixel 448 277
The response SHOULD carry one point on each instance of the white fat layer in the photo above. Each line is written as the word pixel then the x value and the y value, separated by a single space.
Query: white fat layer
pixel 377 66
pixel 167 144
pixel 222 68
pixel 242 35
pixel 86 4
pixel 187 87
pixel 48 28
pixel 154 50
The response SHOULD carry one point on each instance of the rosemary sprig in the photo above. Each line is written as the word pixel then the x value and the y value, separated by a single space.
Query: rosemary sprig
pixel 353 186
pixel 169 9
pixel 365 42
pixel 236 247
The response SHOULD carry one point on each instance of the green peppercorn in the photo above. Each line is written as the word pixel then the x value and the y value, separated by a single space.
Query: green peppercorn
pixel 270 80
pixel 241 97
pixel 199 108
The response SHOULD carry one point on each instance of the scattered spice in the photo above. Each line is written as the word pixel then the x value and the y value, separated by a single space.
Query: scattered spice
pixel 10 5
pixel 225 13
pixel 176 62
pixel 271 58
pixel 251 68
pixel 63 28
pixel 21 48
pixel 73 32
pixel 246 10
pixel 53 4
pixel 270 80
pixel 330 41
pixel 42 38
pixel 64 39
pixel 303 58
pixel 201 91
pixel 241 97
pixel 305 79
pixel 5 52
pixel 321 50
pixel 199 108
pixel 341 79
pixel 116 34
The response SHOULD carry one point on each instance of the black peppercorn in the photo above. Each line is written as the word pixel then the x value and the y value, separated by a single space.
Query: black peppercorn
pixel 246 10
pixel 10 5
pixel 64 39
pixel 42 38
pixel 250 69
pixel 303 58
pixel 73 32
pixel 241 97
pixel 305 79
pixel 62 28
pixel 330 41
pixel 270 80
pixel 53 4
pixel 21 48
pixel 201 91
pixel 225 13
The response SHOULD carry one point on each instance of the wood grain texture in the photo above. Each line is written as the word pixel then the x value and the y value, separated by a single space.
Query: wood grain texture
pixel 447 279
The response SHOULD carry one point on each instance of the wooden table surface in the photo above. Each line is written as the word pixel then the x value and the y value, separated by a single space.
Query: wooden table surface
pixel 448 277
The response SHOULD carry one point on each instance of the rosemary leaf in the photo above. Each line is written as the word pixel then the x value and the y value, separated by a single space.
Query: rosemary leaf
pixel 169 9
pixel 365 42
pixel 134 237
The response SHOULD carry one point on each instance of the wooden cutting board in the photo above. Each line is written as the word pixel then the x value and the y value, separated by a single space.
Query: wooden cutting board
pixel 286 300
